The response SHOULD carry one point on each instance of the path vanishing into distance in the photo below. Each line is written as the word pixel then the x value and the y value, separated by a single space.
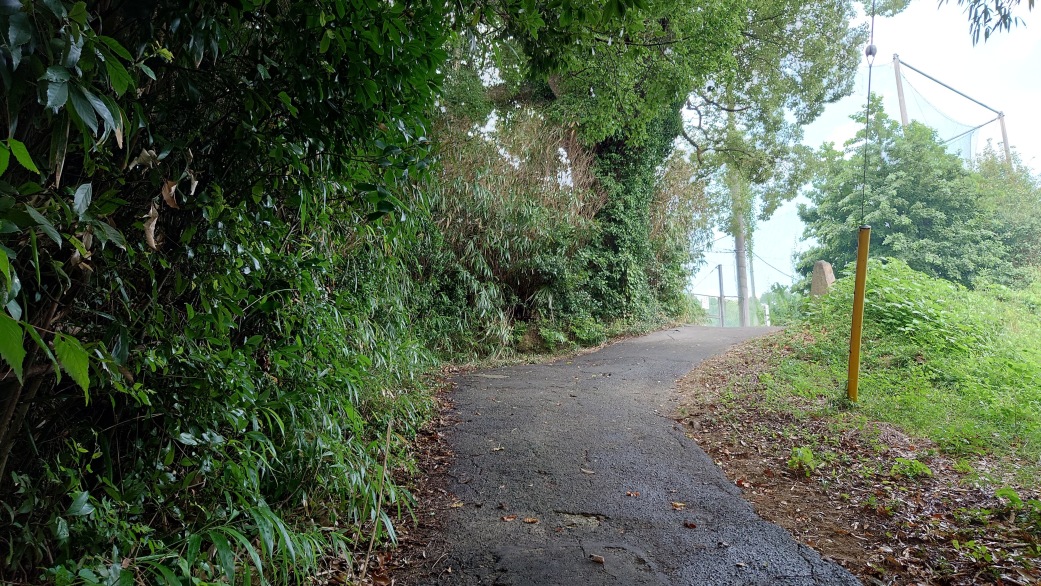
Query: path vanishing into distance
pixel 572 473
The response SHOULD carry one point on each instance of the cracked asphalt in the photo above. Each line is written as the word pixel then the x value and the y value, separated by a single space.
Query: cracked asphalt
pixel 597 485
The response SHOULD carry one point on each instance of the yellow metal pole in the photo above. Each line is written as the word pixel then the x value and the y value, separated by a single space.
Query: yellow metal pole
pixel 863 243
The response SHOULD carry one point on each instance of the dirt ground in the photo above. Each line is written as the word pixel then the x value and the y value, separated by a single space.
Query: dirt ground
pixel 859 499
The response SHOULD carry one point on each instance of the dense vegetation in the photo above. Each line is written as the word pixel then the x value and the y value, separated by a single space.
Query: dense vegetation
pixel 960 366
pixel 234 236
pixel 969 226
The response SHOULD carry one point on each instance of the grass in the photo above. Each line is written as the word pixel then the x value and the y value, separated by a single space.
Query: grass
pixel 961 367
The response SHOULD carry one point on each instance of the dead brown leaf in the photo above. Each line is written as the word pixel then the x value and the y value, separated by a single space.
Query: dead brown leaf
pixel 150 221
pixel 170 194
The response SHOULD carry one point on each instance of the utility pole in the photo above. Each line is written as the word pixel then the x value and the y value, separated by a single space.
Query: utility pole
pixel 753 301
pixel 722 300
pixel 900 90
pixel 738 228
pixel 742 271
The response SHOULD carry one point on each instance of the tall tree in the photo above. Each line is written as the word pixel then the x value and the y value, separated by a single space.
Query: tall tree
pixel 922 204
pixel 1011 194
pixel 794 58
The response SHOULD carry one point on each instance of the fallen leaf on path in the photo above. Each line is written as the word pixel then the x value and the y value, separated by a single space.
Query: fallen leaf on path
pixel 457 504
pixel 587 471
pixel 531 520
pixel 690 524
pixel 633 493
pixel 509 518
pixel 597 558
pixel 679 506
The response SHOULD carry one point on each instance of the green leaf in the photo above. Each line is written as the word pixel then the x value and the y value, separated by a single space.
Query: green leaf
pixel 81 199
pixel 5 267
pixel 57 95
pixel 56 7
pixel 5 158
pixel 107 233
pixel 146 70
pixel 102 110
pixel 22 155
pixel 20 30
pixel 45 224
pixel 80 505
pixel 61 529
pixel 83 109
pixel 118 76
pixel 116 48
pixel 57 74
pixel 252 551
pixel 287 101
pixel 225 554
pixel 78 14
pixel 166 575
pixel 11 348
pixel 73 359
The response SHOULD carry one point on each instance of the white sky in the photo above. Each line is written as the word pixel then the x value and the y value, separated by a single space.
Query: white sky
pixel 1003 72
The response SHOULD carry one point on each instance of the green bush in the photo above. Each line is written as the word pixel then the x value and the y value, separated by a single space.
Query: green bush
pixel 960 366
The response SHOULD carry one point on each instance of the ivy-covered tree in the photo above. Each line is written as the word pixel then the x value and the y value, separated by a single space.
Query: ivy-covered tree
pixel 922 204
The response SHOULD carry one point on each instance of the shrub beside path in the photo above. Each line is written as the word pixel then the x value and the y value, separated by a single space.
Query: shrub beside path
pixel 571 473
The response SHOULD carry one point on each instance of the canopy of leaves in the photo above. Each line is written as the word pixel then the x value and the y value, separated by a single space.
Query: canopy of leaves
pixel 987 17
pixel 793 59
pixel 923 206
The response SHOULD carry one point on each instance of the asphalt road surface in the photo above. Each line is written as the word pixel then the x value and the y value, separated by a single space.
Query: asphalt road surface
pixel 572 474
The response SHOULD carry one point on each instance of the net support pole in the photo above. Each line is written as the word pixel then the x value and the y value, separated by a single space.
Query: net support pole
pixel 859 287
pixel 1004 138
pixel 900 90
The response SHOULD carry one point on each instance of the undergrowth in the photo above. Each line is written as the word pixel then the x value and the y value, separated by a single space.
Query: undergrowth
pixel 961 367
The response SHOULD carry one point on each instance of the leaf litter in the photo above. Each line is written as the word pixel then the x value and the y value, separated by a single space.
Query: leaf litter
pixel 890 508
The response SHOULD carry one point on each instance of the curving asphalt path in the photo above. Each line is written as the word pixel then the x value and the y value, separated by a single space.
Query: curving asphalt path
pixel 584 446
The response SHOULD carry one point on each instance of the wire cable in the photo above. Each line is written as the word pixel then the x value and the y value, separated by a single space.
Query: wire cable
pixel 773 267
pixel 870 52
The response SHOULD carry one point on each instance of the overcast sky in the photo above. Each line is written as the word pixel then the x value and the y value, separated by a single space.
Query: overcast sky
pixel 1004 73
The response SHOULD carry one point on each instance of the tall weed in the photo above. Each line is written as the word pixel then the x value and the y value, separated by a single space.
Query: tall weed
pixel 961 366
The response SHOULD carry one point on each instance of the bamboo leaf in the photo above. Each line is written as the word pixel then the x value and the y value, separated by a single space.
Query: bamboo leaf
pixel 224 554
pixel 44 224
pixel 83 109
